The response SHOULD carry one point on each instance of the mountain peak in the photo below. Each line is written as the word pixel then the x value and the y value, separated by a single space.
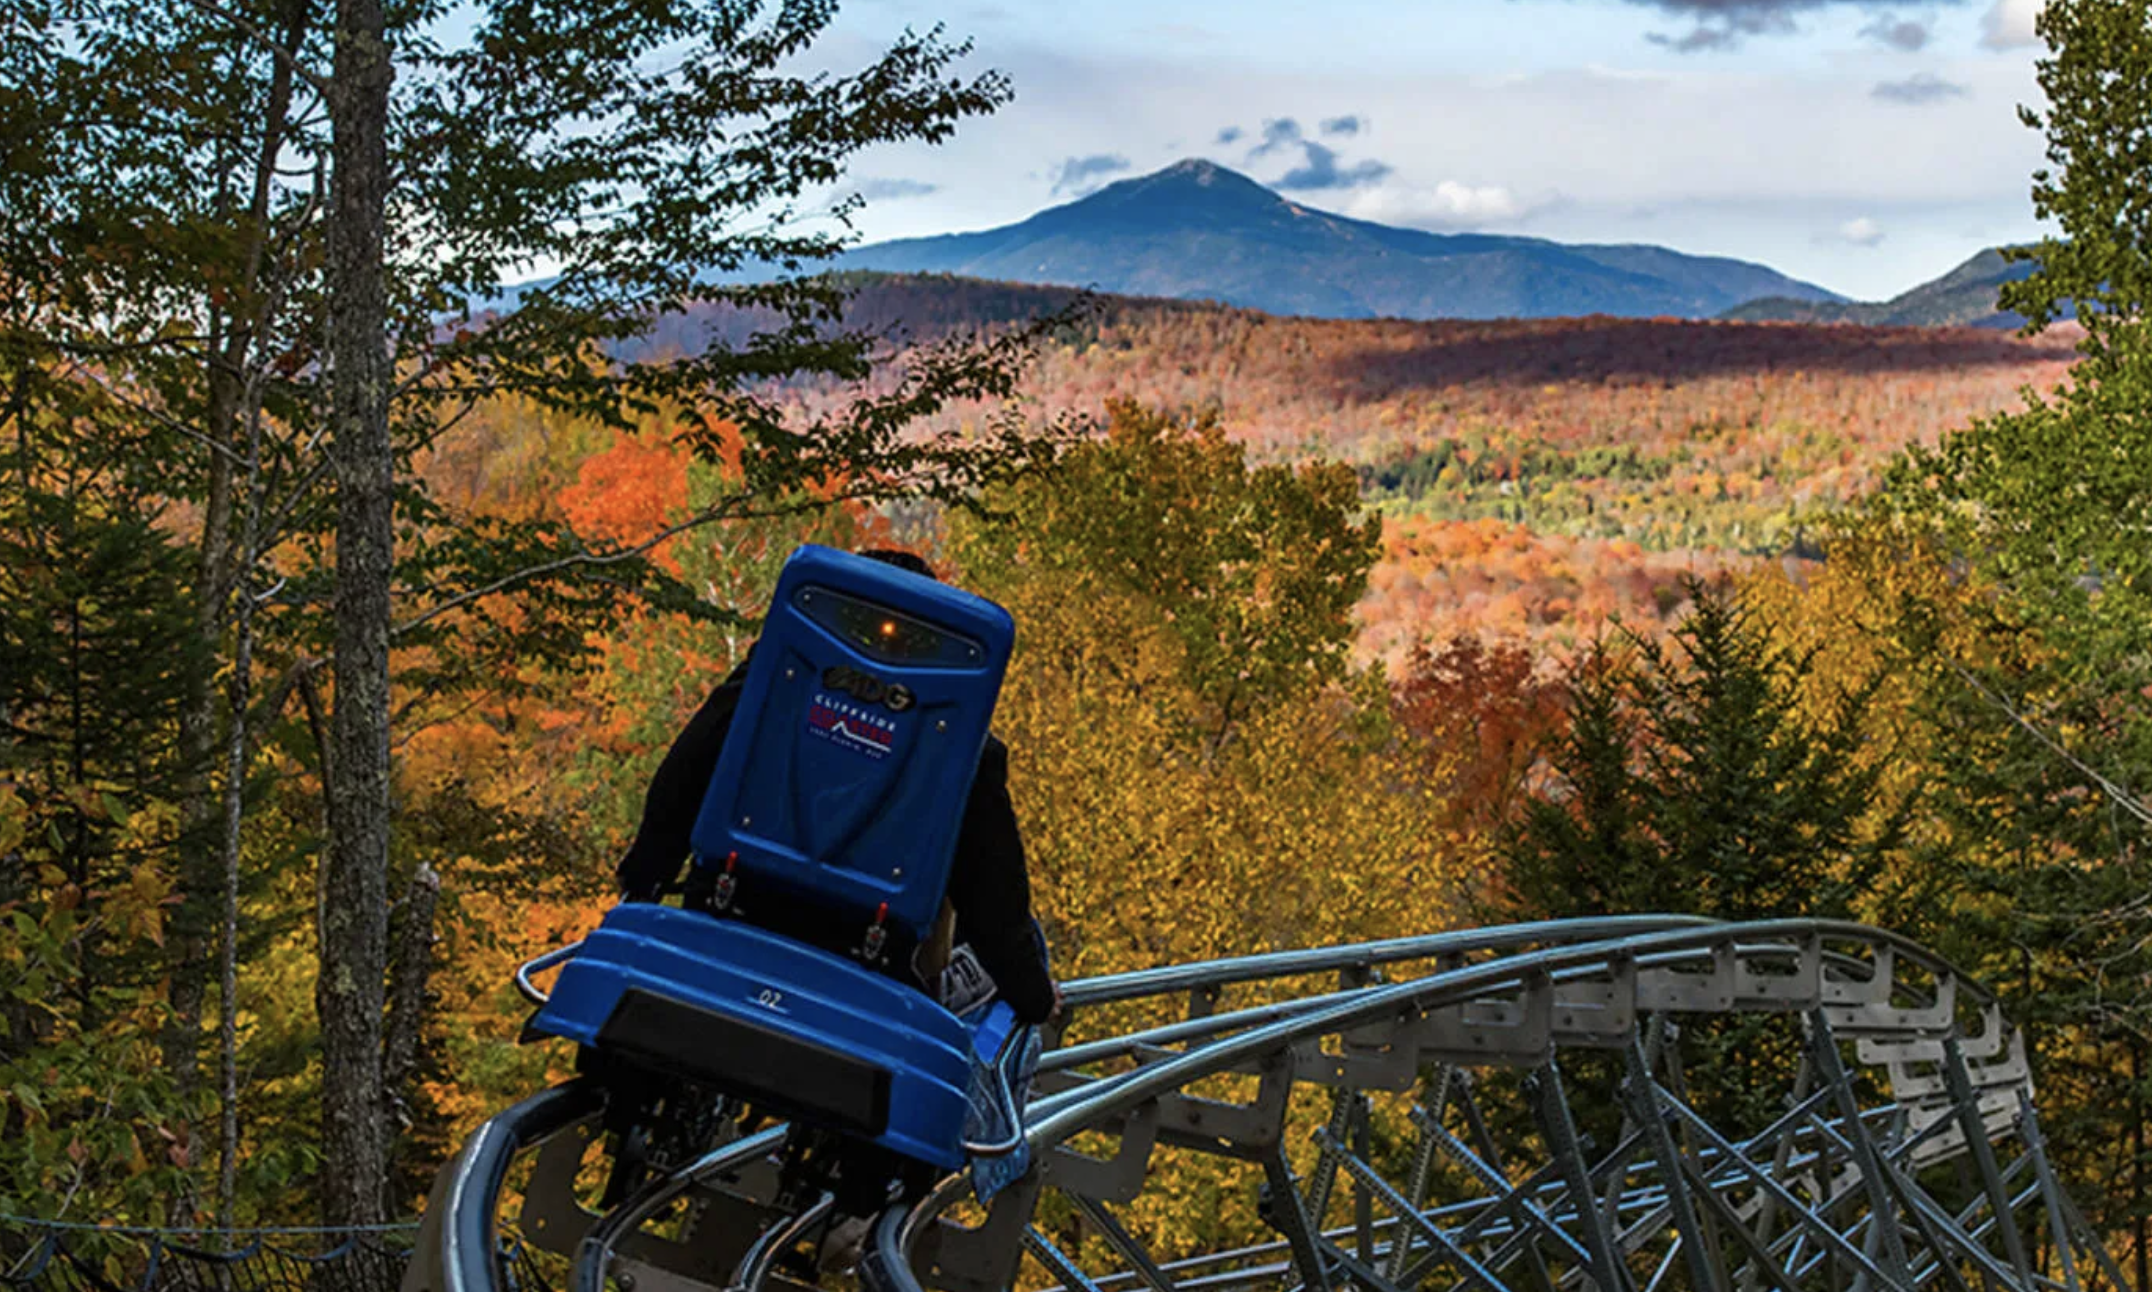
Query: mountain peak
pixel 1188 194
pixel 1964 297
pixel 1199 229
pixel 1200 169
pixel 1180 179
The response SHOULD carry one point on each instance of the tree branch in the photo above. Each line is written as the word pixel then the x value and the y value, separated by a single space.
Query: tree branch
pixel 272 704
pixel 157 415
pixel 320 85
pixel 601 559
pixel 2121 797
pixel 316 720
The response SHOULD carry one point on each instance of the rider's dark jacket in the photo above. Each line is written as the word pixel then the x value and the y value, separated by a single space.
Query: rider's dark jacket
pixel 988 884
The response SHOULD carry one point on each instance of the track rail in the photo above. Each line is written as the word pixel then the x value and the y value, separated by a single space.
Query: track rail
pixel 1393 1115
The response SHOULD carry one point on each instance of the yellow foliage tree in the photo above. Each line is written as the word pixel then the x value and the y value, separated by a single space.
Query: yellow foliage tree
pixel 1198 770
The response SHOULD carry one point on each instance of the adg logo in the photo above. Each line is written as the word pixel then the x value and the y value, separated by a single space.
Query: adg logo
pixel 867 688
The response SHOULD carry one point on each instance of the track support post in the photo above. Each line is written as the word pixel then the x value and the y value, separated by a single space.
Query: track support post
pixel 1545 1088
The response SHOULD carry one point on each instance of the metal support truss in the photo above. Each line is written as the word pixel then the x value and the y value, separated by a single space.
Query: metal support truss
pixel 1525 1108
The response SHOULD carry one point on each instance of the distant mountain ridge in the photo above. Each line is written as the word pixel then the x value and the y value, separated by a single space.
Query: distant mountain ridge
pixel 1964 297
pixel 1198 231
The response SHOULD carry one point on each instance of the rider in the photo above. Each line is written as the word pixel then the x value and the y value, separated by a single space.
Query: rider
pixel 989 888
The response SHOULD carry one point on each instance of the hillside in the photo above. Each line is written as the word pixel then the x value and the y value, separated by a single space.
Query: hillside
pixel 1537 475
pixel 1199 231
pixel 1964 297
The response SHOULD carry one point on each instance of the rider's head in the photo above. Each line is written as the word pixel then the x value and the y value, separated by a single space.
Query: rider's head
pixel 902 560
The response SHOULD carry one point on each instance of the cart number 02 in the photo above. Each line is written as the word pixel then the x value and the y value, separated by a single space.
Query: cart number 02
pixel 770 998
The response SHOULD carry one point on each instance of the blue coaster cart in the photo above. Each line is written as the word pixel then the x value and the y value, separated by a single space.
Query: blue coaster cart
pixel 842 784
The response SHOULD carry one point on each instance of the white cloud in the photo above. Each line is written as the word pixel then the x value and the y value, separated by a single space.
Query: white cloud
pixel 1861 232
pixel 1919 88
pixel 1906 35
pixel 877 189
pixel 2009 24
pixel 1081 175
pixel 1448 205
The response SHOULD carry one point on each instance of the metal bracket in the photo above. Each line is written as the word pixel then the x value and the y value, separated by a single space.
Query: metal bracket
pixel 982 1257
pixel 1248 1131
pixel 1518 1030
pixel 1109 1179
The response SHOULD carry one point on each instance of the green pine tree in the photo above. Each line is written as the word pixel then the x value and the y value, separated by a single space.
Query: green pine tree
pixel 1688 781
pixel 98 654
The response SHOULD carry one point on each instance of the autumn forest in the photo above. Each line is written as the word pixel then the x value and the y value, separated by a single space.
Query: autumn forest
pixel 332 674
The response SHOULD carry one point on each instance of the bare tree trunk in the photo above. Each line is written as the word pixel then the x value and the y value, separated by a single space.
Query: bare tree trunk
pixel 271 285
pixel 350 989
pixel 240 698
pixel 233 400
pixel 407 989
pixel 235 781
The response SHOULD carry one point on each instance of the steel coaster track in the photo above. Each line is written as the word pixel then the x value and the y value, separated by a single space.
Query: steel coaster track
pixel 1903 1151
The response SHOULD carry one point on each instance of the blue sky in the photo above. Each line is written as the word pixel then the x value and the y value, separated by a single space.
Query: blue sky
pixel 1863 145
